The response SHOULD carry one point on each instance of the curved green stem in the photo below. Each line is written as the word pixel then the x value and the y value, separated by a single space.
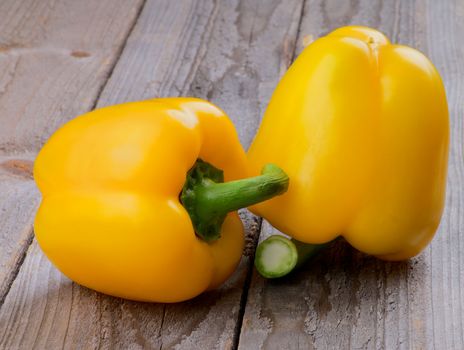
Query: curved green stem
pixel 208 199
pixel 277 255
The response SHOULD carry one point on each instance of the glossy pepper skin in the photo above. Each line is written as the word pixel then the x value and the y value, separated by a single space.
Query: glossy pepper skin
pixel 110 217
pixel 361 128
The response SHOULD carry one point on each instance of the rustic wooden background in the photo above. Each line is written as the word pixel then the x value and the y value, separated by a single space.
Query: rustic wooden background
pixel 60 58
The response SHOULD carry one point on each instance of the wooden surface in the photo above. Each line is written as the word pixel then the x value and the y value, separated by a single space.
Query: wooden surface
pixel 61 58
pixel 54 59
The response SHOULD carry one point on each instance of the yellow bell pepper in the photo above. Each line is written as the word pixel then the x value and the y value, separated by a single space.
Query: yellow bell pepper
pixel 122 213
pixel 361 128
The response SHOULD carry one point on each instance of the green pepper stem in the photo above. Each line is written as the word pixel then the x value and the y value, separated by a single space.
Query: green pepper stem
pixel 277 255
pixel 208 199
pixel 307 251
pixel 225 197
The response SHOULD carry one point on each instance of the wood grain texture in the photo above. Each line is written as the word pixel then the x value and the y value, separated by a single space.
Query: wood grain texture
pixel 54 58
pixel 57 57
pixel 211 49
pixel 18 201
pixel 216 52
pixel 444 43
pixel 344 299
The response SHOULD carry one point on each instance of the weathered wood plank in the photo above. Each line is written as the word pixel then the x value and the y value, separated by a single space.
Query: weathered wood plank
pixel 54 58
pixel 18 201
pixel 344 299
pixel 203 48
pixel 444 43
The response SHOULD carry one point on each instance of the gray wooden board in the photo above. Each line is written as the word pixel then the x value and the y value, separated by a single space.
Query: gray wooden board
pixel 18 202
pixel 344 299
pixel 54 58
pixel 207 49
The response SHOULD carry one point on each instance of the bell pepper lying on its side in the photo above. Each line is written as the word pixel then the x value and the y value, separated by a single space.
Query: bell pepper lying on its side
pixel 125 188
pixel 361 128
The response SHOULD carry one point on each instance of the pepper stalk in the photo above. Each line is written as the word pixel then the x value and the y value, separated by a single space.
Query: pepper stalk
pixel 277 255
pixel 208 199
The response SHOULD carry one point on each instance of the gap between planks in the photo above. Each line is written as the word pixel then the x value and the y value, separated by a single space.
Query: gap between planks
pixel 220 88
pixel 14 273
pixel 249 274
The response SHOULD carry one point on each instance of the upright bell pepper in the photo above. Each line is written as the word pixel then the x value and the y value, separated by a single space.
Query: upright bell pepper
pixel 133 201
pixel 361 127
